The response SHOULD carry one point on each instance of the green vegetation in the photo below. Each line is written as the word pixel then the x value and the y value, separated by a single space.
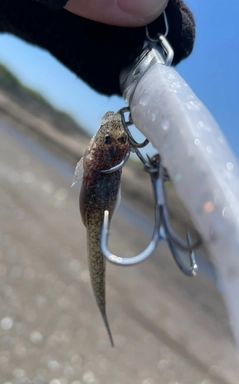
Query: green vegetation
pixel 11 84
pixel 7 78
pixel 10 81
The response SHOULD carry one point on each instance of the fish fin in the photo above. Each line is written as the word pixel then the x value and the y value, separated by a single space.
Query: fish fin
pixel 79 171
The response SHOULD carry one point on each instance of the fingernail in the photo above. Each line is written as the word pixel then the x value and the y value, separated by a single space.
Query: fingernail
pixel 145 9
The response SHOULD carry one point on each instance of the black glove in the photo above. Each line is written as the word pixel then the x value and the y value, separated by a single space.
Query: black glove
pixel 96 52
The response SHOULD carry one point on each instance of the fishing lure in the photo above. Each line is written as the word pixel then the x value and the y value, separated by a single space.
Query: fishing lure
pixel 100 192
pixel 201 165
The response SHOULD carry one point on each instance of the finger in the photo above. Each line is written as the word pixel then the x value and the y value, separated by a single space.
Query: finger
pixel 131 13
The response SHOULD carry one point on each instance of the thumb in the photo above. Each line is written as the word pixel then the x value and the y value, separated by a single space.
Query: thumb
pixel 125 13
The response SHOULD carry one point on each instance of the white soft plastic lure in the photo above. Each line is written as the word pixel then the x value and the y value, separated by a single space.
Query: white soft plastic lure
pixel 200 163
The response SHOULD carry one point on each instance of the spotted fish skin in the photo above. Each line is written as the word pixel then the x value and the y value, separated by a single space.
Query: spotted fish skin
pixel 99 192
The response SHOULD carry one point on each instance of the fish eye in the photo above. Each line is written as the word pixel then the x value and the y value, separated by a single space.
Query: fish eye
pixel 122 139
pixel 108 139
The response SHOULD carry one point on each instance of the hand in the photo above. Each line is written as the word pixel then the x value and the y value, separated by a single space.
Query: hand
pixel 124 13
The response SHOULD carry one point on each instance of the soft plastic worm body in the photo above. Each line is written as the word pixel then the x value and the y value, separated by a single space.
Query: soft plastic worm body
pixel 199 161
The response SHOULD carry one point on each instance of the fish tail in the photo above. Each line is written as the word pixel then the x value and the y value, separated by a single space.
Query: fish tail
pixel 107 326
pixel 97 273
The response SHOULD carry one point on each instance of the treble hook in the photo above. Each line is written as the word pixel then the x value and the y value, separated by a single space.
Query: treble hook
pixel 162 227
pixel 134 143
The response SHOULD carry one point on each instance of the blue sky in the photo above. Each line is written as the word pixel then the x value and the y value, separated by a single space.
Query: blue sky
pixel 212 71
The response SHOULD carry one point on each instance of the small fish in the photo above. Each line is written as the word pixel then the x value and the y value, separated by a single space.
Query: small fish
pixel 100 192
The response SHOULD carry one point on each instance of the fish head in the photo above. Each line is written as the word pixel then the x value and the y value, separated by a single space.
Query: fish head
pixel 109 146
